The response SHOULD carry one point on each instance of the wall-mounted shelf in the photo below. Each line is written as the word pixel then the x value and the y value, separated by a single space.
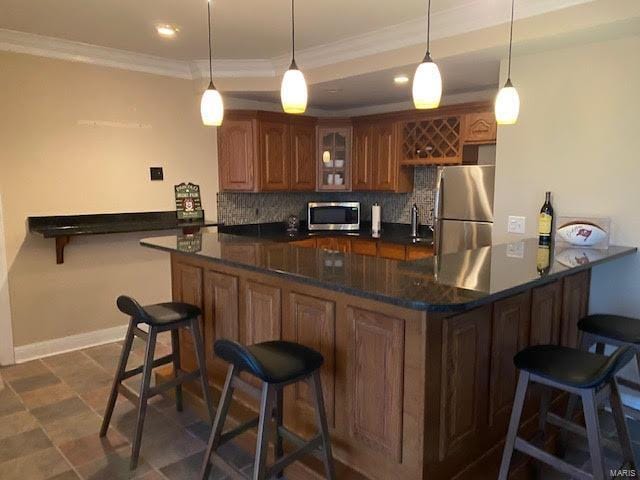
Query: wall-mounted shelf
pixel 63 227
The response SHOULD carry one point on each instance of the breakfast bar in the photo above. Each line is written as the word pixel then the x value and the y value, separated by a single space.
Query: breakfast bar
pixel 418 376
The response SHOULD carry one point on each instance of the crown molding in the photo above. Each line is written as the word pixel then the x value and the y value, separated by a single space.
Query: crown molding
pixel 473 15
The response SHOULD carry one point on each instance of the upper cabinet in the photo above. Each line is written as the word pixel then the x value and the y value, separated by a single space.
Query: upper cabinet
pixel 376 163
pixel 266 152
pixel 334 155
pixel 269 152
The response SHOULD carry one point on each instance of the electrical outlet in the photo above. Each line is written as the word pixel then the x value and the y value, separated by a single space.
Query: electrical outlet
pixel 155 173
pixel 516 224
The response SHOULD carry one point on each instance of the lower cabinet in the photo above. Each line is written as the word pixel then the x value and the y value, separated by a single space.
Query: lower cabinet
pixel 575 303
pixel 372 248
pixel 187 287
pixel 546 308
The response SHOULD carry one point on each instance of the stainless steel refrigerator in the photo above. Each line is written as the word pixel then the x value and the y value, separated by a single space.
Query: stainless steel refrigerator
pixel 463 213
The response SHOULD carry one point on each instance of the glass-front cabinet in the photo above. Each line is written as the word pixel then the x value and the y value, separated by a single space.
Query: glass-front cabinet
pixel 334 157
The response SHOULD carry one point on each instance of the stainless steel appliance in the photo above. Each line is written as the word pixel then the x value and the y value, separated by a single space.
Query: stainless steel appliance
pixel 463 213
pixel 333 215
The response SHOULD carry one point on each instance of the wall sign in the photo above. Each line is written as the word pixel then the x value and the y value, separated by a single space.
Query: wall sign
pixel 188 203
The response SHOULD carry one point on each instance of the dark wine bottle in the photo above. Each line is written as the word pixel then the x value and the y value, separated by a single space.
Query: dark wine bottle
pixel 545 221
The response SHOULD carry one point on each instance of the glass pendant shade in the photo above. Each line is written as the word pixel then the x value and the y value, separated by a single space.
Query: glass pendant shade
pixel 427 85
pixel 507 105
pixel 293 92
pixel 211 107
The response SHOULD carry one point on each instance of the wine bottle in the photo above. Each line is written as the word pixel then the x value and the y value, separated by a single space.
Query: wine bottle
pixel 545 221
pixel 543 259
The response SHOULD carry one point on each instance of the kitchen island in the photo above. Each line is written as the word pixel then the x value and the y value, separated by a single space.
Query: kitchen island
pixel 418 376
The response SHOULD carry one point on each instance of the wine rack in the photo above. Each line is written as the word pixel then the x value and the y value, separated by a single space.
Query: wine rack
pixel 431 141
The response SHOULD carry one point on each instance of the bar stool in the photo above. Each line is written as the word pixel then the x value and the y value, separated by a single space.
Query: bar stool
pixel 588 375
pixel 276 364
pixel 160 317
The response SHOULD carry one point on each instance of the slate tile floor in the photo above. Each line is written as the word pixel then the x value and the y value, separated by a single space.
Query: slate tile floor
pixel 51 410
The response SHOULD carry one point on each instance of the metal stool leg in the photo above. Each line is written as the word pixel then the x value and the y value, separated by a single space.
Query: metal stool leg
pixel 144 396
pixel 512 433
pixel 621 426
pixel 545 400
pixel 321 417
pixel 262 445
pixel 202 365
pixel 279 450
pixel 175 347
pixel 593 433
pixel 218 424
pixel 122 367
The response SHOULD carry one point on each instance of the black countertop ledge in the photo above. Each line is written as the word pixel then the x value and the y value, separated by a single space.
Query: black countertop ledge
pixel 447 283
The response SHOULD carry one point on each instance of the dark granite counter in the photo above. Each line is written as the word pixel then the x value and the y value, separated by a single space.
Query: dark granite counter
pixel 452 282
pixel 398 233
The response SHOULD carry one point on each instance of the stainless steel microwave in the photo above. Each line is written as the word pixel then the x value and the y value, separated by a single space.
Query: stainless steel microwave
pixel 333 215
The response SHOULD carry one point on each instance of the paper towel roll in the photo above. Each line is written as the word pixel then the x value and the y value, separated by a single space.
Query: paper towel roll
pixel 376 215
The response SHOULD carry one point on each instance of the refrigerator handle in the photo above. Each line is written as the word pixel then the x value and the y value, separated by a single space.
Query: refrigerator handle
pixel 437 213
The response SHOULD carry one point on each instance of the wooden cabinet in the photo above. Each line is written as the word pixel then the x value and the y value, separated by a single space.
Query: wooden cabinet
pixel 303 158
pixel 187 287
pixel 375 158
pixel 307 242
pixel 364 247
pixel 431 140
pixel 260 319
pixel 480 128
pixel 274 155
pixel 545 314
pixel 575 305
pixel 416 252
pixel 370 247
pixel 237 143
pixel 393 251
pixel 336 244
pixel 266 152
pixel 334 156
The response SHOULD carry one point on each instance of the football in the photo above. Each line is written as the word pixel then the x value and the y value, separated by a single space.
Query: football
pixel 582 233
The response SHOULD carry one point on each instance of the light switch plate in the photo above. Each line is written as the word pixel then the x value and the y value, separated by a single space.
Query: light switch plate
pixel 516 224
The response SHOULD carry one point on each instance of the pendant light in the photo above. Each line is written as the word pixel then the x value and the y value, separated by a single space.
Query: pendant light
pixel 211 106
pixel 427 82
pixel 507 105
pixel 293 91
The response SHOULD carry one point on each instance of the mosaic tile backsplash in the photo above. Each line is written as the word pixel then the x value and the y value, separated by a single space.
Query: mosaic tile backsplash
pixel 246 208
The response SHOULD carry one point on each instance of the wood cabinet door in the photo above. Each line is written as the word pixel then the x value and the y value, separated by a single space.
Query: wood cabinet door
pixel 480 128
pixel 342 244
pixel 307 243
pixel 416 252
pixel 221 316
pixel 362 175
pixel 237 155
pixel 262 313
pixel 303 158
pixel 187 287
pixel 275 165
pixel 364 247
pixel 310 322
pixel 464 382
pixel 375 355
pixel 545 314
pixel 326 243
pixel 510 334
pixel 385 166
pixel 393 251
pixel 575 305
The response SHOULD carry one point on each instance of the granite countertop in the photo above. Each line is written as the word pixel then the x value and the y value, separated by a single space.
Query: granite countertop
pixel 446 283
pixel 398 233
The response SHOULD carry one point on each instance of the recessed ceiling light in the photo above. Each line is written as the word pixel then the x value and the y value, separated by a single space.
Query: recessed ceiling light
pixel 400 79
pixel 166 31
pixel 333 90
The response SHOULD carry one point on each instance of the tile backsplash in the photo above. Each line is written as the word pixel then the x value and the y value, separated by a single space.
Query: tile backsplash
pixel 245 208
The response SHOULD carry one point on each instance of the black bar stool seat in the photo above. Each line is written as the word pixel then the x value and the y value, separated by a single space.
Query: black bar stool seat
pixel 617 327
pixel 585 375
pixel 160 317
pixel 271 362
pixel 568 366
pixel 276 364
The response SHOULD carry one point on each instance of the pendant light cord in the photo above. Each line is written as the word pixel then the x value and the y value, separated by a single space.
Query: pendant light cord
pixel 293 34
pixel 209 25
pixel 428 24
pixel 510 39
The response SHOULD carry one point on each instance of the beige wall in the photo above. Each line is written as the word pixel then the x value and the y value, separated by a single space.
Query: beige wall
pixel 577 136
pixel 52 161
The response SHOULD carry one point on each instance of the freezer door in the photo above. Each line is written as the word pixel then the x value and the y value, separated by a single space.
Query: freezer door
pixel 456 235
pixel 465 193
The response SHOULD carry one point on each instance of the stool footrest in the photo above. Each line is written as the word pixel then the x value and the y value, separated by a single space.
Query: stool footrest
pixel 240 429
pixel 572 427
pixel 138 332
pixel 296 439
pixel 228 468
pixel 129 394
pixel 555 462
pixel 628 383
pixel 181 378
pixel 138 370
pixel 288 459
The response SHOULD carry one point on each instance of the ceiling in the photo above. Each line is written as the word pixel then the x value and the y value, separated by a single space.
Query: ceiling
pixel 460 74
pixel 242 29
